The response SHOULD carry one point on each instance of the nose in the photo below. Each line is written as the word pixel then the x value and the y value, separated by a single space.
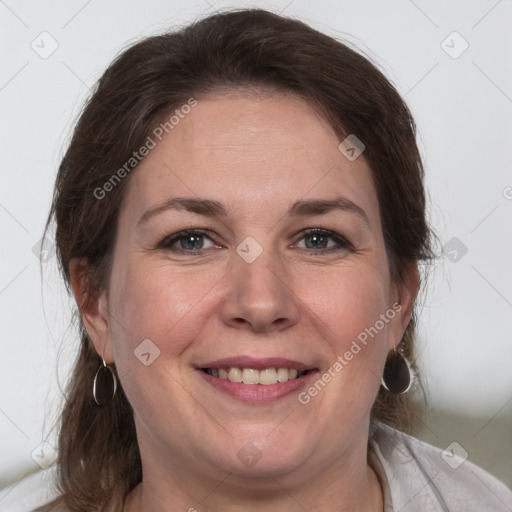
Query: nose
pixel 259 297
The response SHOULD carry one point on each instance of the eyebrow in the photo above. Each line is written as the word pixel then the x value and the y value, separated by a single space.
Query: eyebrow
pixel 211 208
pixel 206 207
pixel 320 206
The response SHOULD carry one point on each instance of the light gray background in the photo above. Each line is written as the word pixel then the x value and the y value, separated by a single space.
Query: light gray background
pixel 463 109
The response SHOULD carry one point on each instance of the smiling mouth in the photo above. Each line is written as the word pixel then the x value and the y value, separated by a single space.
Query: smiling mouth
pixel 252 376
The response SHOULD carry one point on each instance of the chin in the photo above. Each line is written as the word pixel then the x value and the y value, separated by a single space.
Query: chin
pixel 277 453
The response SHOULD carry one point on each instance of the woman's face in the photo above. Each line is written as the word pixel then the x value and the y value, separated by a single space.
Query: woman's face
pixel 284 269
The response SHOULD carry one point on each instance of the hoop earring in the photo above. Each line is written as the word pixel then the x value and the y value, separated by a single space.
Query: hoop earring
pixel 398 376
pixel 104 385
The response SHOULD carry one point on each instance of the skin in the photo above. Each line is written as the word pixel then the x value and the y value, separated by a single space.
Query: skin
pixel 257 154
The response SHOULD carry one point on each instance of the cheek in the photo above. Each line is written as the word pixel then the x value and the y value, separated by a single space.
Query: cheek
pixel 155 314
pixel 349 301
pixel 153 302
pixel 349 305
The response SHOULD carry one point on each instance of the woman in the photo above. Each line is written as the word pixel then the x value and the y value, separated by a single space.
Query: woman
pixel 240 215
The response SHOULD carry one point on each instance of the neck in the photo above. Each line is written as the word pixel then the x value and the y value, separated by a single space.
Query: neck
pixel 340 487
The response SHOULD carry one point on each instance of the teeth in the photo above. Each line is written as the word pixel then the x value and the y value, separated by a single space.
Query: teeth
pixel 235 375
pixel 282 374
pixel 249 376
pixel 266 376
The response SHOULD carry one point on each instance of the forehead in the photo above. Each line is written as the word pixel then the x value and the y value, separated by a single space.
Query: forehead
pixel 255 153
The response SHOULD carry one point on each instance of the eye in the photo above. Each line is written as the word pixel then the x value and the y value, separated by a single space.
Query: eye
pixel 323 241
pixel 190 240
pixel 197 241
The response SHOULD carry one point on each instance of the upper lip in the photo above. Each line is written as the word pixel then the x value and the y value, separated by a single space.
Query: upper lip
pixel 256 363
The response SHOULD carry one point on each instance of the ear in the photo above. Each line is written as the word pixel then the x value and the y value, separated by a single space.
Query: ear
pixel 404 293
pixel 93 308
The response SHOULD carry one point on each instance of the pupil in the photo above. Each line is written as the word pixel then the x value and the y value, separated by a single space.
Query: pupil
pixel 191 242
pixel 317 241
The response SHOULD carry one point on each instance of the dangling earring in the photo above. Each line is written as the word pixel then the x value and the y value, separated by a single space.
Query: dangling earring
pixel 105 385
pixel 398 376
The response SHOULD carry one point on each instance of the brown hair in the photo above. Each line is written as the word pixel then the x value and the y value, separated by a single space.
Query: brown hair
pixel 99 460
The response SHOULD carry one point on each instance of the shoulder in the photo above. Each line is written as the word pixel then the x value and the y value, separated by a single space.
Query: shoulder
pixel 423 477
pixel 30 493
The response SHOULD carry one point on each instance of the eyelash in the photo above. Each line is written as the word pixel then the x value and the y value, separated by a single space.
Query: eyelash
pixel 169 241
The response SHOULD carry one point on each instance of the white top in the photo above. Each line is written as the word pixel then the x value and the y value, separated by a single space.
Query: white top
pixel 415 477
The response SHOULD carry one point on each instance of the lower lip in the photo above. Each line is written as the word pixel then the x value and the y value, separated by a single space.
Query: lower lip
pixel 257 392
